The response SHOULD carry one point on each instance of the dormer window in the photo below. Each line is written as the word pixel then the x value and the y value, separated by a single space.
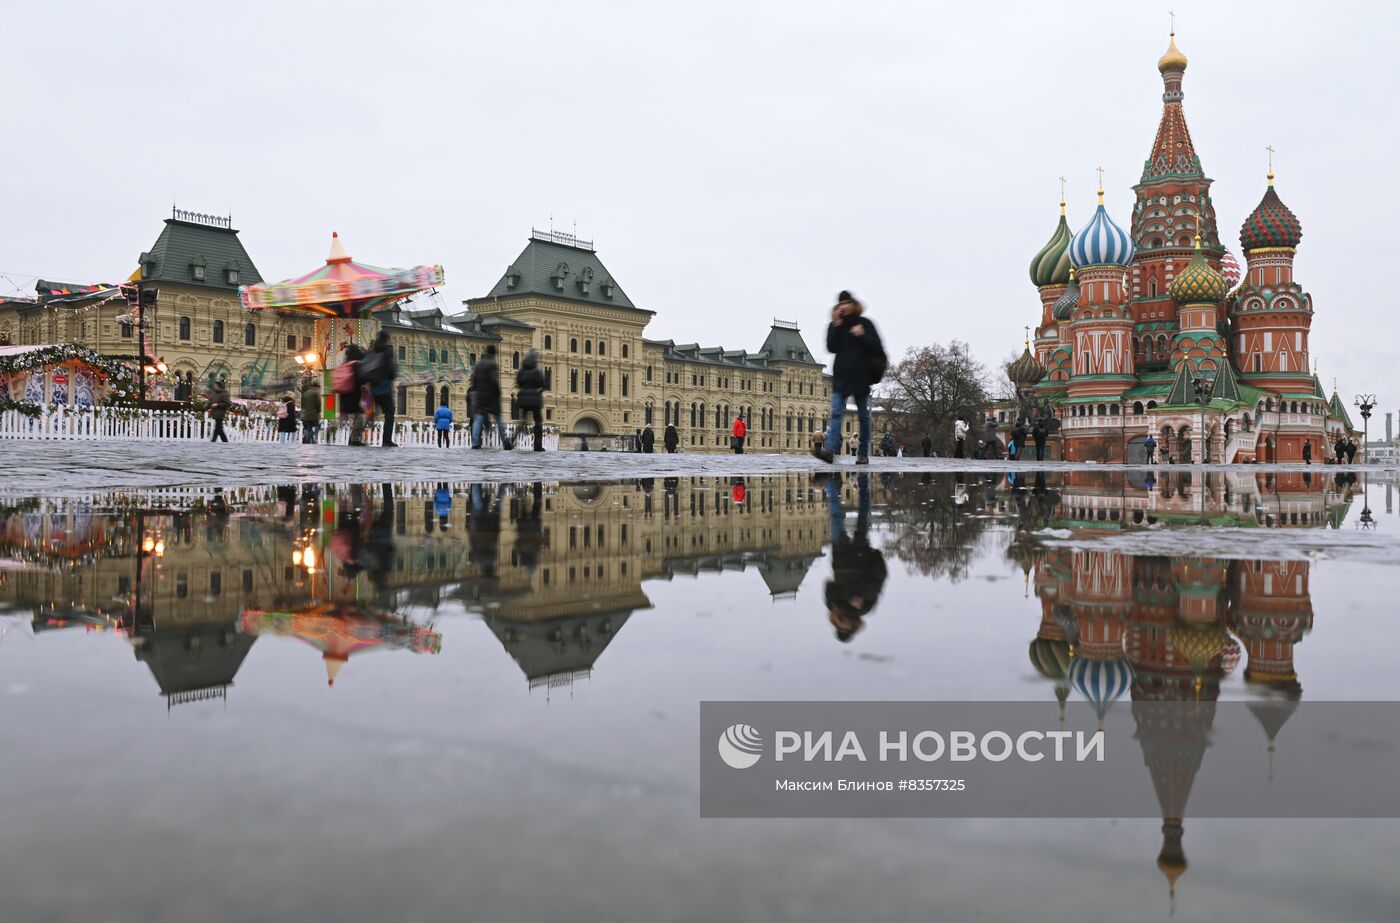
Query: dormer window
pixel 585 279
pixel 560 272
pixel 512 277
pixel 608 289
pixel 197 269
pixel 231 273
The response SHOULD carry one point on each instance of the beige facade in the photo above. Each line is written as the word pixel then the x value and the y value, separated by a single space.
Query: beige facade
pixel 606 377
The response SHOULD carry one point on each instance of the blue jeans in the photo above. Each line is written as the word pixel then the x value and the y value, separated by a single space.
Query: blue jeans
pixel 832 442
pixel 837 512
pixel 479 423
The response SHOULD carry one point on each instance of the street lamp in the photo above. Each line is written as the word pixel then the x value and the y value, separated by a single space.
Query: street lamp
pixel 1367 403
pixel 1202 386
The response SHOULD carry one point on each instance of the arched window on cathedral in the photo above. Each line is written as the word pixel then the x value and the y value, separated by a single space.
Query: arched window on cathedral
pixel 1137 408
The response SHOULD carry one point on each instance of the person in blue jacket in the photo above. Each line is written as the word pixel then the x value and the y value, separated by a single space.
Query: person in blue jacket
pixel 442 420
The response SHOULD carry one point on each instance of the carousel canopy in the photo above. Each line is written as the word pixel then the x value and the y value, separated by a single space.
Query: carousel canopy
pixel 341 288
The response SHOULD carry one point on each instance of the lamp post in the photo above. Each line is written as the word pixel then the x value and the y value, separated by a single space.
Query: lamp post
pixel 1202 386
pixel 1366 403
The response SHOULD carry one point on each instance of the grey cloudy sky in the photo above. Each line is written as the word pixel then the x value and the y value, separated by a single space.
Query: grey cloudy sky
pixel 733 161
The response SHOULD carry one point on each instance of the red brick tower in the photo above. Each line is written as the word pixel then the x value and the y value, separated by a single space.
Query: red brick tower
pixel 1173 207
pixel 1198 291
pixel 1102 326
pixel 1271 314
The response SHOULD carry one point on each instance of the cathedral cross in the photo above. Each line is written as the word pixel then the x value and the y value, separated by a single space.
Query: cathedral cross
pixel 1270 149
pixel 1172 14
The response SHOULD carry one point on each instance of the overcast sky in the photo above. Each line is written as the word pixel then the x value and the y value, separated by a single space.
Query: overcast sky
pixel 734 162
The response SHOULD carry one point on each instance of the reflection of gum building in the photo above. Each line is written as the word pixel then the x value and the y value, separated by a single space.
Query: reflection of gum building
pixel 555 579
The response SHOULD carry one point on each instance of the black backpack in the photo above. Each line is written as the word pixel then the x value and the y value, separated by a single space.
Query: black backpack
pixel 374 368
pixel 876 364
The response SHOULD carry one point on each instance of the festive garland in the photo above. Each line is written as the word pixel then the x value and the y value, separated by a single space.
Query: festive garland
pixel 27 408
pixel 122 377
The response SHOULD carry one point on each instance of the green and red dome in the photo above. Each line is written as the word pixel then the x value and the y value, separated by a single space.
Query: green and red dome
pixel 1271 224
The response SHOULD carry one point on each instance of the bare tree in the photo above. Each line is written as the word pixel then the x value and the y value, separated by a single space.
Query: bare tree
pixel 931 387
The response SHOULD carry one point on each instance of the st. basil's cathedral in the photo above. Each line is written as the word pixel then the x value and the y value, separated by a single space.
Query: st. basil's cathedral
pixel 1158 330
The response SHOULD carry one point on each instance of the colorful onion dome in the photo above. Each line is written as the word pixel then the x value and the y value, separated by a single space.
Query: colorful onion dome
pixel 1050 657
pixel 1050 265
pixel 1230 657
pixel 1271 224
pixel 1200 644
pixel 1199 282
pixel 1230 269
pixel 1066 303
pixel 1102 682
pixel 1101 242
pixel 1173 60
pixel 1026 372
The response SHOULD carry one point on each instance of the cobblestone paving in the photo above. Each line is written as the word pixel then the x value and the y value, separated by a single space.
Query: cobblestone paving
pixel 55 468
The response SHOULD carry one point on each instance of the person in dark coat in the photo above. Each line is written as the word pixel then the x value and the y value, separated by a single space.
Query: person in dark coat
pixel 383 389
pixel 1039 435
pixel 351 403
pixel 648 440
pixel 1340 448
pixel 858 569
pixel 219 404
pixel 1018 436
pixel 287 419
pixel 990 448
pixel 484 392
pixel 670 438
pixel 855 346
pixel 310 409
pixel 1351 451
pixel 1307 452
pixel 530 387
pixel 926 445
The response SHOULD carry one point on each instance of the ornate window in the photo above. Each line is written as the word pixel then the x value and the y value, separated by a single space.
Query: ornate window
pixel 184 328
pixel 218 333
pixel 250 335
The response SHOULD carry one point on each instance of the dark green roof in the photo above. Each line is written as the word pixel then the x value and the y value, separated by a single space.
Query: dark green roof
pixel 1339 410
pixel 785 344
pixel 1226 386
pixel 184 244
pixel 1183 391
pixel 554 269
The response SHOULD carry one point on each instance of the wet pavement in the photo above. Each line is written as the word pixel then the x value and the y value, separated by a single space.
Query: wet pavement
pixel 75 468
pixel 473 698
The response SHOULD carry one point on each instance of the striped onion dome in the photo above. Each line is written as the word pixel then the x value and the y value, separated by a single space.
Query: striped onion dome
pixel 1050 265
pixel 1271 224
pixel 1230 269
pixel 1102 682
pixel 1050 657
pixel 1101 242
pixel 1230 657
pixel 1066 303
pixel 1199 282
pixel 1026 371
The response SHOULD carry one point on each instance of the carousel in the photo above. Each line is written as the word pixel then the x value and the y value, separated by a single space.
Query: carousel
pixel 341 296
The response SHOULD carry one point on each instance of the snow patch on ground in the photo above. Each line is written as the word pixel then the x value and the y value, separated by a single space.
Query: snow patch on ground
pixel 1242 544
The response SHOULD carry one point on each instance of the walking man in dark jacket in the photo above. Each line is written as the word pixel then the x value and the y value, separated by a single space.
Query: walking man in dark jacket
pixel 350 396
pixel 671 438
pixel 990 448
pixel 381 368
pixel 926 445
pixel 858 569
pixel 530 386
pixel 485 394
pixel 1039 435
pixel 1018 436
pixel 310 409
pixel 855 345
pixel 648 440
pixel 219 404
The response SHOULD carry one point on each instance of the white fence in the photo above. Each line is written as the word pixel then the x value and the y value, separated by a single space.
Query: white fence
pixel 118 424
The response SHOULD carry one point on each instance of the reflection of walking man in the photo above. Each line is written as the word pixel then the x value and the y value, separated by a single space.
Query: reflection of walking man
pixel 857 568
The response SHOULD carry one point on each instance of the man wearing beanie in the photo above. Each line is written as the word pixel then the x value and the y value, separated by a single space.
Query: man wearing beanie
pixel 859 362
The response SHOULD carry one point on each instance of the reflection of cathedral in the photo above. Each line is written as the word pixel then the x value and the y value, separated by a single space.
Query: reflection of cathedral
pixel 1167 630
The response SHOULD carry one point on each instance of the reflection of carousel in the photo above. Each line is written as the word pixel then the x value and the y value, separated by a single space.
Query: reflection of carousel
pixel 340 632
pixel 340 296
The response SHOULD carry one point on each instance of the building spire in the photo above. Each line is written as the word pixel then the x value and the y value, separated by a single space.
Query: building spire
pixel 1062 195
pixel 1270 149
pixel 1100 172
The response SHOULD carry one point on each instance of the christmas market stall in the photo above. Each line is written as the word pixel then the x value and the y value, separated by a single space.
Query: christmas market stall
pixel 341 296
pixel 65 375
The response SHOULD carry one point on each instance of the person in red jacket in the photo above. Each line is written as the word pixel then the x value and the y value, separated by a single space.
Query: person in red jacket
pixel 741 430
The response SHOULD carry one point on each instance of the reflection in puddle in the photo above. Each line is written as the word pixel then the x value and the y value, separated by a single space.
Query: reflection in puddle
pixel 193 580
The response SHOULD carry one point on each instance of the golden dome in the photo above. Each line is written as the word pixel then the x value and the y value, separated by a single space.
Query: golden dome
pixel 1173 60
